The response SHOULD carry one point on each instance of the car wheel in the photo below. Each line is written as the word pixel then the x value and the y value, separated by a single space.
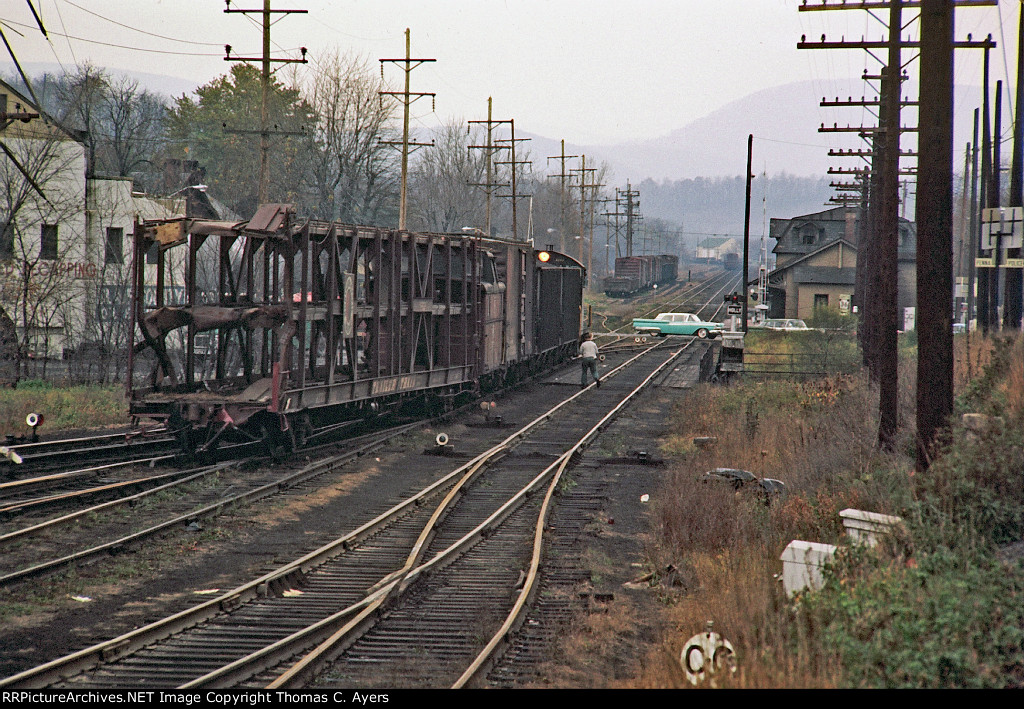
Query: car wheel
pixel 702 334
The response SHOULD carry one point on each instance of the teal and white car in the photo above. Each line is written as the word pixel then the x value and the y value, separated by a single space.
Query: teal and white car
pixel 677 324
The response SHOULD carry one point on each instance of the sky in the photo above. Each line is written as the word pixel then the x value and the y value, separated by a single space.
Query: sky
pixel 586 71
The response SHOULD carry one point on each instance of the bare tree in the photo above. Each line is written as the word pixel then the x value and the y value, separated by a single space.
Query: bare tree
pixel 80 98
pixel 442 195
pixel 352 174
pixel 133 124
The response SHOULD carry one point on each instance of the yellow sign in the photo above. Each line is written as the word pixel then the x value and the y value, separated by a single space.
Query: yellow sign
pixel 985 262
pixel 1014 263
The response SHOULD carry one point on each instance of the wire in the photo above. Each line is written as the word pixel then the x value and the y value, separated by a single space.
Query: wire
pixel 121 46
pixel 136 29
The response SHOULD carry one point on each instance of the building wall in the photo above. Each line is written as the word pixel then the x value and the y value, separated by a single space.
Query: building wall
pixel 102 313
pixel 808 291
pixel 907 284
pixel 38 288
pixel 799 301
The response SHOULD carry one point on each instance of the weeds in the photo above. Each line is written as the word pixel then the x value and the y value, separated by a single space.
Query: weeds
pixel 63 407
pixel 936 609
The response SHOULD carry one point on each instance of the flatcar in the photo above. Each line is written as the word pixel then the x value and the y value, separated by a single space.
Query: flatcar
pixel 275 327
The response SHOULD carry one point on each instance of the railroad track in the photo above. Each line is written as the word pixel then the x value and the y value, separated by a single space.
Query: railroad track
pixel 704 298
pixel 30 459
pixel 372 592
pixel 170 500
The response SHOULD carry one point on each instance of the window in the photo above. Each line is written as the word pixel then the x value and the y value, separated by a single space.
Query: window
pixel 48 242
pixel 115 245
pixel 808 234
pixel 820 300
pixel 153 253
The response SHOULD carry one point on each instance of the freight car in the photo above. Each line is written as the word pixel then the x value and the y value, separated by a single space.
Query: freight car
pixel 285 326
pixel 637 273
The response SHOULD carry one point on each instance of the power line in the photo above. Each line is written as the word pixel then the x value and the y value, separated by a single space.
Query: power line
pixel 136 29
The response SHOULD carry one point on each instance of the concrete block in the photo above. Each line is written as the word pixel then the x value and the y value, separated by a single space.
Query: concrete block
pixel 867 527
pixel 802 563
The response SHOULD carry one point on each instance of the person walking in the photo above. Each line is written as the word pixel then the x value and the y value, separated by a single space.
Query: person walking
pixel 588 363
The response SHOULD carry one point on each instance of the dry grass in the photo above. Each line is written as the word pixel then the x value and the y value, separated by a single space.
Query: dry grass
pixel 819 439
pixel 62 407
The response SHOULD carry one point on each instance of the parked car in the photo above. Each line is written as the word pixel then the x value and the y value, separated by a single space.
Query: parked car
pixel 785 325
pixel 677 324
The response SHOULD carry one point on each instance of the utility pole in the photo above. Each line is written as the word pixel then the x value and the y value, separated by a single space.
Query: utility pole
pixel 583 170
pixel 515 196
pixel 584 220
pixel 490 148
pixel 746 228
pixel 983 273
pixel 562 176
pixel 881 280
pixel 995 197
pixel 972 232
pixel 617 227
pixel 1014 276
pixel 935 228
pixel 632 203
pixel 406 97
pixel 266 61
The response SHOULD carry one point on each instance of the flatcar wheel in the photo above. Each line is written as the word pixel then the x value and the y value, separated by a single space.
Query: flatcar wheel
pixel 302 429
pixel 276 442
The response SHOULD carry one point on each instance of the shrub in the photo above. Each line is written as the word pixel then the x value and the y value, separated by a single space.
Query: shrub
pixel 945 620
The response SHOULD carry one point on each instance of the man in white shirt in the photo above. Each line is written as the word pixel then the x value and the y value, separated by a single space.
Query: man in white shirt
pixel 588 352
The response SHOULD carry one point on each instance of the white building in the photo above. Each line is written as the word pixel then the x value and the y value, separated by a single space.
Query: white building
pixel 65 249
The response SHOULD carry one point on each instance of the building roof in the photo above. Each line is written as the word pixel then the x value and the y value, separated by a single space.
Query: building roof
pixel 713 242
pixel 805 257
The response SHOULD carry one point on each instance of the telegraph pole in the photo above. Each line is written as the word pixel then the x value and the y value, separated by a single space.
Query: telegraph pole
pixel 266 61
pixel 984 316
pixel 489 150
pixel 515 196
pixel 584 186
pixel 628 196
pixel 935 228
pixel 406 97
pixel 746 228
pixel 883 290
pixel 562 176
pixel 1014 290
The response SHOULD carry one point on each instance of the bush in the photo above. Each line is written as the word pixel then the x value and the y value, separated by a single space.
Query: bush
pixel 944 619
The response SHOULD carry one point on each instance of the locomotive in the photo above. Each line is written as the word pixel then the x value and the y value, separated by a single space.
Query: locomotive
pixel 273 328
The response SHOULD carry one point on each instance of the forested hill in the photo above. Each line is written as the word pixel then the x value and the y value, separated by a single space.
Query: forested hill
pixel 716 205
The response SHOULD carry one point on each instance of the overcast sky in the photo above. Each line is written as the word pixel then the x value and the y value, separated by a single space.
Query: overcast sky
pixel 587 71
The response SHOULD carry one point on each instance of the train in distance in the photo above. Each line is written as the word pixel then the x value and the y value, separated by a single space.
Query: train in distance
pixel 288 326
pixel 638 273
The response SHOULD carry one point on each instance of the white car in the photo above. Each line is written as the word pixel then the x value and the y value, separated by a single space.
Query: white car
pixel 785 325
